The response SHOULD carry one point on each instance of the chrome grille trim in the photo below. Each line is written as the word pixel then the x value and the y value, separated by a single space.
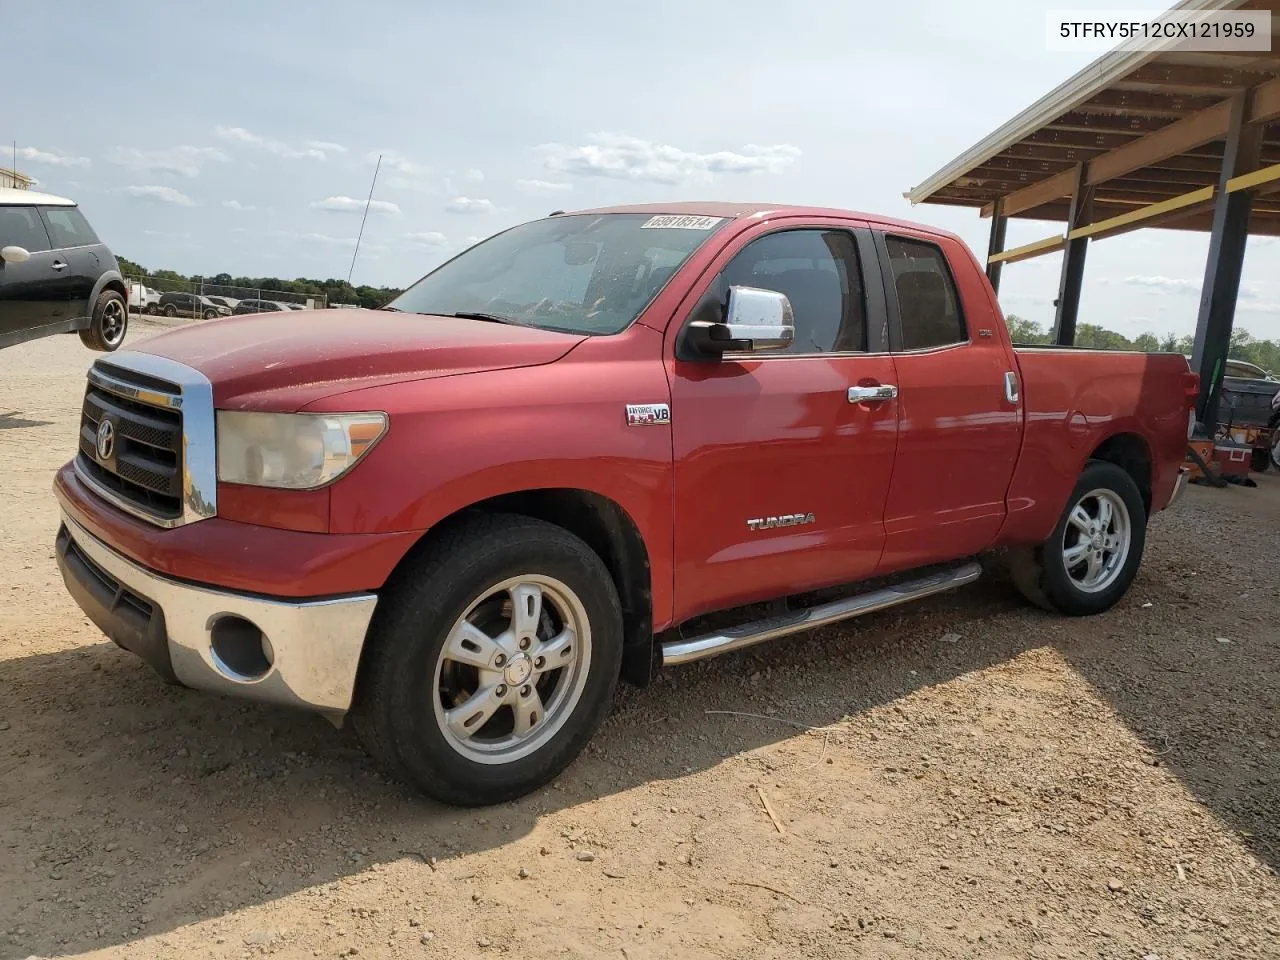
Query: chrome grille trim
pixel 194 400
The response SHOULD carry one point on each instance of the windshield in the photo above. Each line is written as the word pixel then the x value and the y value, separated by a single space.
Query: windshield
pixel 583 273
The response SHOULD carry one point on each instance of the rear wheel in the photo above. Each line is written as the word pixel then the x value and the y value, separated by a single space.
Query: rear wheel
pixel 108 323
pixel 492 663
pixel 1093 554
pixel 170 310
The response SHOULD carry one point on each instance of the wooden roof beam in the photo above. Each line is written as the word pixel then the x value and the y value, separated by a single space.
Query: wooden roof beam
pixel 1028 250
pixel 1266 102
pixel 1059 185
pixel 1169 141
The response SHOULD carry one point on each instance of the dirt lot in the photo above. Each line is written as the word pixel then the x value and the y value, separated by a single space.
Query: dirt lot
pixel 982 780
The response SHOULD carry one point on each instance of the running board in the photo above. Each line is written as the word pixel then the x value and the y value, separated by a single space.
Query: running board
pixel 749 634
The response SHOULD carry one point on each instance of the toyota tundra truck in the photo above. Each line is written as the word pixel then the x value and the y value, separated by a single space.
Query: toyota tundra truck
pixel 457 521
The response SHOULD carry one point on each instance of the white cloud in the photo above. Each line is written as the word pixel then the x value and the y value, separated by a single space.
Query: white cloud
pixel 429 238
pixel 279 148
pixel 1159 284
pixel 352 205
pixel 184 161
pixel 394 161
pixel 413 184
pixel 326 146
pixel 158 194
pixel 631 158
pixel 324 238
pixel 1251 296
pixel 474 175
pixel 469 205
pixel 472 241
pixel 51 158
pixel 543 187
pixel 237 205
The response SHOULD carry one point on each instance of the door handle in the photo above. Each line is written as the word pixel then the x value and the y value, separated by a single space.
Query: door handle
pixel 59 265
pixel 883 391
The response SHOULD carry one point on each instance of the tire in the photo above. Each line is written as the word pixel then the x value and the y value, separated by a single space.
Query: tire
pixel 1261 460
pixel 108 324
pixel 454 595
pixel 1275 441
pixel 149 310
pixel 210 314
pixel 170 310
pixel 1043 575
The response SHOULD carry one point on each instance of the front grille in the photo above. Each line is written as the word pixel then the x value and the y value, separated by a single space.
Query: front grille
pixel 142 465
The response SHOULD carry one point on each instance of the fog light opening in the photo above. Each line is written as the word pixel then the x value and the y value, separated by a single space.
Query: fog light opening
pixel 240 650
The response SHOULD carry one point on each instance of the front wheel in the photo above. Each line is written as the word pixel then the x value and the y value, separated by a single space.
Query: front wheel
pixel 170 310
pixel 1093 554
pixel 210 314
pixel 108 323
pixel 492 661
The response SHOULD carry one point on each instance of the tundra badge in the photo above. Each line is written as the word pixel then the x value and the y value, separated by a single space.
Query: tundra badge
pixel 786 520
pixel 647 414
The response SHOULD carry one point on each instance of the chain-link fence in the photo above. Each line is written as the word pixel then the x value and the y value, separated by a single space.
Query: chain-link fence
pixel 198 298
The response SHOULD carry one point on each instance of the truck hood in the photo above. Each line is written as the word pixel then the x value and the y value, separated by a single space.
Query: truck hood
pixel 284 361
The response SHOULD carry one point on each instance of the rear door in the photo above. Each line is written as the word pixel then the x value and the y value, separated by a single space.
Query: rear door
pixel 958 431
pixel 781 473
pixel 83 253
pixel 33 294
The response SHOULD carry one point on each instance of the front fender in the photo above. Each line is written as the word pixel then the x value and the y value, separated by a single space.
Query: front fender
pixel 456 441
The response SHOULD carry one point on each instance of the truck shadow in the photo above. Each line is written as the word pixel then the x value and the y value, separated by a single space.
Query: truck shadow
pixel 131 808
pixel 13 421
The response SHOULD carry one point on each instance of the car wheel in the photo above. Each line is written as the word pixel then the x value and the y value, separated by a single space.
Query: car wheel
pixel 149 309
pixel 1091 558
pixel 1275 441
pixel 492 661
pixel 170 310
pixel 210 314
pixel 108 323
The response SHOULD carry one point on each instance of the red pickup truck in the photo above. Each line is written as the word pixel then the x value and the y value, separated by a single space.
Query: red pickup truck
pixel 459 520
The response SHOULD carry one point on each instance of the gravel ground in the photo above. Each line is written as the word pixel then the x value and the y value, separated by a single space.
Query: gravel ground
pixel 980 780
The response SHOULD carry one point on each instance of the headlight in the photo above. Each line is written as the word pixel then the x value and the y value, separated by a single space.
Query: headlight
pixel 293 451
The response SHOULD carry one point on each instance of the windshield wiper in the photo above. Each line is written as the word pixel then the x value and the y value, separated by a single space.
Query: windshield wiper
pixel 490 317
pixel 391 308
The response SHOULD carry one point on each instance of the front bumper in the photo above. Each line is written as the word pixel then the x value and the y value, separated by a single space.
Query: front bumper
pixel 312 650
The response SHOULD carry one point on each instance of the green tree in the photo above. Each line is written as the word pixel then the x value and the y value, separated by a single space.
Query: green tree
pixel 1022 330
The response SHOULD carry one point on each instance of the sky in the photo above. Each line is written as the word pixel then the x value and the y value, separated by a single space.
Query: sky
pixel 241 137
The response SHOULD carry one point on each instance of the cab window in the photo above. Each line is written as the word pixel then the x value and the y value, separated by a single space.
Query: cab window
pixel 819 272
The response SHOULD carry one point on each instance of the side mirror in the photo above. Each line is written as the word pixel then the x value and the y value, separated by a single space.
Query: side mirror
pixel 14 254
pixel 754 320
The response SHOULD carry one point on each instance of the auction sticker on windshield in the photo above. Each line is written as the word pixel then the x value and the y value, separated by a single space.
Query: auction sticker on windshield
pixel 674 222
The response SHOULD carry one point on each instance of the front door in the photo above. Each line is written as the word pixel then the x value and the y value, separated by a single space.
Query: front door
pixel 33 294
pixel 781 473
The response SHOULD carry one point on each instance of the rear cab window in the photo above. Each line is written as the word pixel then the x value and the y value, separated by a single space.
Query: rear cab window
pixel 22 227
pixel 928 303
pixel 68 227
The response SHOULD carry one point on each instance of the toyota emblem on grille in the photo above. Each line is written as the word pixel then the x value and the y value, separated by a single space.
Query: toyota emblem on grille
pixel 106 439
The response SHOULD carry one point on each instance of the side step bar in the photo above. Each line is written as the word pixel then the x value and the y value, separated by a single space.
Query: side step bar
pixel 749 634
